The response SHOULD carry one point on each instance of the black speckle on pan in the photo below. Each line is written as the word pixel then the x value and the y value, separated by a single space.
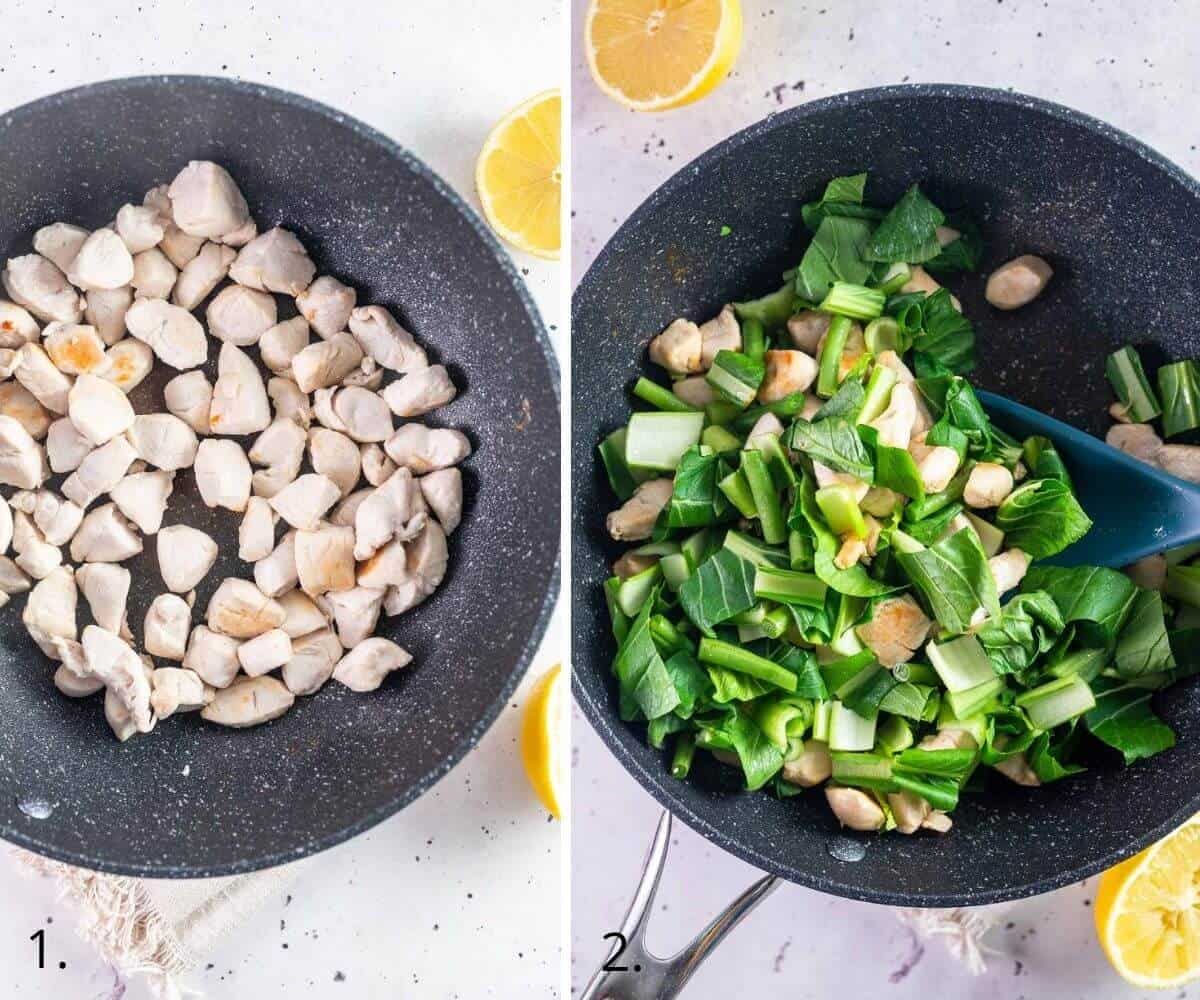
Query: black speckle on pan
pixel 191 799
pixel 1118 223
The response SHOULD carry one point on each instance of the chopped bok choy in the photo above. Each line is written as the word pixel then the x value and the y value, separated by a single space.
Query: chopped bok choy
pixel 837 574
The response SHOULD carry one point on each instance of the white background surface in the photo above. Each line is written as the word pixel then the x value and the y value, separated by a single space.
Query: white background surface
pixel 1132 64
pixel 457 896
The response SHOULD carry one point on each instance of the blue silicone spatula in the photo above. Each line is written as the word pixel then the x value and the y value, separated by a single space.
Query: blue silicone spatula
pixel 1137 509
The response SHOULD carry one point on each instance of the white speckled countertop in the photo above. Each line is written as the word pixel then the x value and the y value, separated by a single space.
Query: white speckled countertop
pixel 1133 65
pixel 458 895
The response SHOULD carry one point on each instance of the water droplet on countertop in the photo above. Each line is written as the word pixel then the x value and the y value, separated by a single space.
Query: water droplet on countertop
pixel 34 807
pixel 846 849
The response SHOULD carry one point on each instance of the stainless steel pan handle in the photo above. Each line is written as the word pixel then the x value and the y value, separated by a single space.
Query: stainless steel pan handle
pixel 643 976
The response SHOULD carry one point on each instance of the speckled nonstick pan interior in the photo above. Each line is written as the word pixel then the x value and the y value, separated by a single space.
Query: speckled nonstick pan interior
pixel 1118 223
pixel 194 799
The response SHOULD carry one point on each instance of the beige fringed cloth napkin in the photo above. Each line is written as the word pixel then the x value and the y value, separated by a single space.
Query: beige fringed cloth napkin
pixel 961 930
pixel 160 928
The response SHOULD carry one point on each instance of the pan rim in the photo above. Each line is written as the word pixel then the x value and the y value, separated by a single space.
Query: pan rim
pixel 596 711
pixel 508 269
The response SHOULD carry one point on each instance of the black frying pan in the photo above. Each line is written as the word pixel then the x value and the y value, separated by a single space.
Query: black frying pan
pixel 192 799
pixel 1117 221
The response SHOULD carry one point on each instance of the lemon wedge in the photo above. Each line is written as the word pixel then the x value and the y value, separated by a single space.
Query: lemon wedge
pixel 519 176
pixel 1148 911
pixel 651 55
pixel 543 732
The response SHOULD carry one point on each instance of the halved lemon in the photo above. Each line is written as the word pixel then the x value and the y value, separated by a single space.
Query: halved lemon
pixel 519 176
pixel 1148 911
pixel 543 731
pixel 651 55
